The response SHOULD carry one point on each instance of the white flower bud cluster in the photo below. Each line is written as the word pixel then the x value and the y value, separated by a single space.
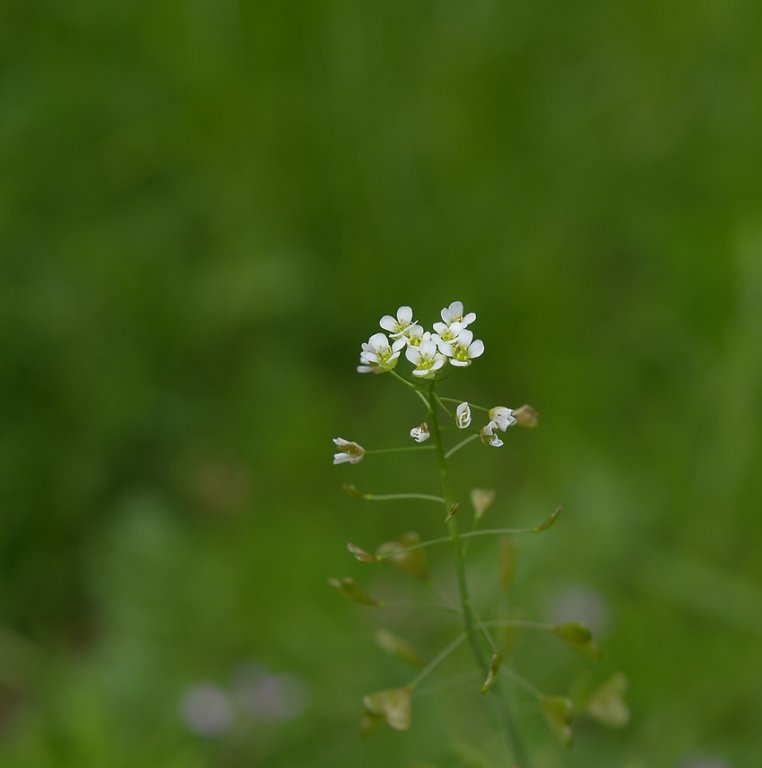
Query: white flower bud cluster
pixel 500 418
pixel 429 352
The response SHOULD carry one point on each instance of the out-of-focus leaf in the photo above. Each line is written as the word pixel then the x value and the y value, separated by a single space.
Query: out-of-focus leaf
pixel 370 723
pixel 392 704
pixel 481 500
pixel 507 560
pixel 559 712
pixel 607 704
pixel 353 491
pixel 399 648
pixel 360 554
pixel 526 417
pixel 549 521
pixel 352 590
pixel 413 562
pixel 494 668
pixel 578 637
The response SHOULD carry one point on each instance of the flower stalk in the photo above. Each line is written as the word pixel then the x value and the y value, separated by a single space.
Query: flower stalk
pixel 508 726
pixel 431 356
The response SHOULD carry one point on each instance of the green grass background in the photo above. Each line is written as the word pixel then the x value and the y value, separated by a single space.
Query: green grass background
pixel 205 207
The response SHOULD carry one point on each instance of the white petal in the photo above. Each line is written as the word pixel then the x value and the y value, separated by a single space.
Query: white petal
pixel 378 341
pixel 340 441
pixel 405 314
pixel 364 369
pixel 388 323
pixel 469 318
pixel 399 344
pixel 440 327
pixel 341 458
pixel 456 309
pixel 413 354
pixel 476 349
pixel 460 363
pixel 446 348
pixel 465 337
pixel 420 372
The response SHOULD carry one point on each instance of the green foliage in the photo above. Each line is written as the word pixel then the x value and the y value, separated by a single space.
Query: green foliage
pixel 203 204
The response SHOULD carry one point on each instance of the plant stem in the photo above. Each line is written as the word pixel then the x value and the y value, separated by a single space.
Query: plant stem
pixel 399 450
pixel 437 660
pixel 469 535
pixel 396 496
pixel 513 741
pixel 457 447
pixel 412 386
pixel 455 400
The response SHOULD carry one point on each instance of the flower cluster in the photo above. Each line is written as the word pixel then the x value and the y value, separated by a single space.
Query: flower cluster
pixel 429 352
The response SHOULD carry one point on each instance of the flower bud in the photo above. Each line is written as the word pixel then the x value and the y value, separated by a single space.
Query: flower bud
pixel 463 416
pixel 351 452
pixel 502 416
pixel 489 436
pixel 526 417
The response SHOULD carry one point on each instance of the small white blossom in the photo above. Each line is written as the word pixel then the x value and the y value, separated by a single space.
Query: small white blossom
pixel 489 435
pixel 454 314
pixel 397 326
pixel 463 349
pixel 414 335
pixel 463 416
pixel 502 416
pixel 378 356
pixel 426 359
pixel 420 434
pixel 352 452
pixel 447 333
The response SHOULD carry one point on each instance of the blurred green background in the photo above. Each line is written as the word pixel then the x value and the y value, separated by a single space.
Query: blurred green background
pixel 206 206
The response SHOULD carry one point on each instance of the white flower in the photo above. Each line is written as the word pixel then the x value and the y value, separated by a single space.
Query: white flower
pixel 426 359
pixel 489 435
pixel 502 416
pixel 463 350
pixel 414 335
pixel 352 451
pixel 396 326
pixel 447 333
pixel 420 434
pixel 454 314
pixel 378 356
pixel 463 416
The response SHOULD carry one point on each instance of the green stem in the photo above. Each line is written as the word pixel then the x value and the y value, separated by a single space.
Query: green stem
pixel 457 447
pixel 400 450
pixel 443 406
pixel 469 535
pixel 512 738
pixel 436 661
pixel 471 405
pixel 396 496
pixel 523 682
pixel 412 386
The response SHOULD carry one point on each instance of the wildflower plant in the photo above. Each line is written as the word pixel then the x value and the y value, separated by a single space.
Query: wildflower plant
pixel 432 356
